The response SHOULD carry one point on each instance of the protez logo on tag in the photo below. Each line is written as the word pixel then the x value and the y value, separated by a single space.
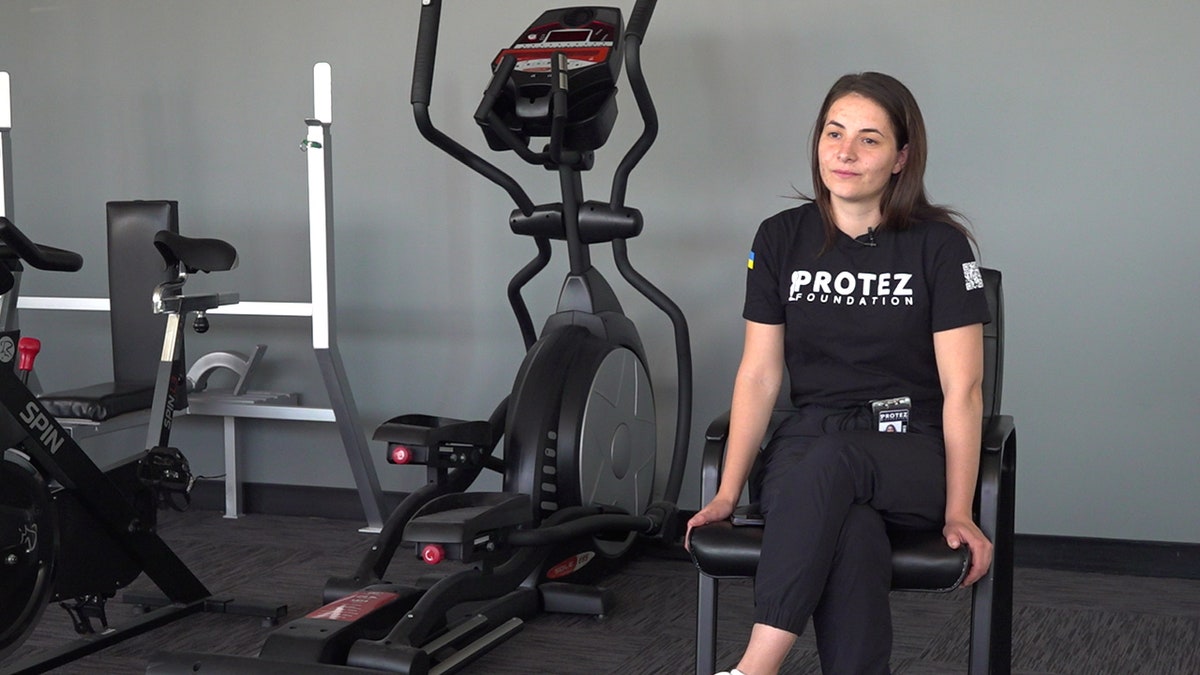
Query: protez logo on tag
pixel 891 414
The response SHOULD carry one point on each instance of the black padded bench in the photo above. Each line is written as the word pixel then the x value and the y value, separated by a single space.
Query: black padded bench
pixel 134 269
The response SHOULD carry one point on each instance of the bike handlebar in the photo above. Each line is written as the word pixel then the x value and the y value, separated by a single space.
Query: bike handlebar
pixel 41 257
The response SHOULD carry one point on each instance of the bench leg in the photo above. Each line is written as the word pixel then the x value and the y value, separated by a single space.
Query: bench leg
pixel 233 482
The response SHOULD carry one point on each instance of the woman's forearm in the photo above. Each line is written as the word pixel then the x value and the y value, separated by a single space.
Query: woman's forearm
pixel 962 417
pixel 750 413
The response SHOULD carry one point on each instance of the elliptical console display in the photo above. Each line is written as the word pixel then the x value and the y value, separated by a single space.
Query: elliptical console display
pixel 587 40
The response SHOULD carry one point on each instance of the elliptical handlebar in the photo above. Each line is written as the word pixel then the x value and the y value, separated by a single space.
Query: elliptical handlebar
pixel 427 37
pixel 639 19
pixel 422 89
pixel 42 257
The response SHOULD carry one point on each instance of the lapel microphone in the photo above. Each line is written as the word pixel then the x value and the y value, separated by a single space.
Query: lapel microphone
pixel 867 239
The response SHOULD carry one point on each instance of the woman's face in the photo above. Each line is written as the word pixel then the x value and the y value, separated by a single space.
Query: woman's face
pixel 858 152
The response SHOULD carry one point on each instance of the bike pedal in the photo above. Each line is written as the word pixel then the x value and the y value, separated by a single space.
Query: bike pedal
pixel 84 610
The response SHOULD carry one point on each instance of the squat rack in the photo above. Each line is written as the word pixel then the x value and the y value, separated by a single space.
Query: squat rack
pixel 320 310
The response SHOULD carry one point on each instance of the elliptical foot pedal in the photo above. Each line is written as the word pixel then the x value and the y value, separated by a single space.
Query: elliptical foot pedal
pixel 434 441
pixel 466 526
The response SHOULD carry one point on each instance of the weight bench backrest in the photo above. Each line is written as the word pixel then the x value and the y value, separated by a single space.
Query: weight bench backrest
pixel 134 269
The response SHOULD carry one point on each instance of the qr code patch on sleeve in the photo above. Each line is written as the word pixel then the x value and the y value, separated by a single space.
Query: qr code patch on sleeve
pixel 971 275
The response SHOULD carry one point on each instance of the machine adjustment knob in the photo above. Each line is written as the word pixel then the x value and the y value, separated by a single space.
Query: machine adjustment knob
pixel 28 348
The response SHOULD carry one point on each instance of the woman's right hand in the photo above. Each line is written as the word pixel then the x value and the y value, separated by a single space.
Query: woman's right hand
pixel 716 510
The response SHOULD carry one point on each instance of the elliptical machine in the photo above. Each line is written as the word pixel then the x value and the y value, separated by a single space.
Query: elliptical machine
pixel 579 425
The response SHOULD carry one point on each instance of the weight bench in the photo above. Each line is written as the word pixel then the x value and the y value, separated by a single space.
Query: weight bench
pixel 134 269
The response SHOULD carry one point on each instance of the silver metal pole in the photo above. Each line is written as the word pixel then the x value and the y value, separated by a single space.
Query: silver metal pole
pixel 324 334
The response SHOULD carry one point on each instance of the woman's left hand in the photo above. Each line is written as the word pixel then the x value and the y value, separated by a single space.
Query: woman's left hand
pixel 960 532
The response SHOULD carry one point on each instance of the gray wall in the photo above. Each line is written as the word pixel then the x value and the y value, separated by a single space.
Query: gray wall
pixel 1064 130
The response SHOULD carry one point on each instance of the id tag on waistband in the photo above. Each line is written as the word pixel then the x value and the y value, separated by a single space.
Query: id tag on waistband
pixel 891 414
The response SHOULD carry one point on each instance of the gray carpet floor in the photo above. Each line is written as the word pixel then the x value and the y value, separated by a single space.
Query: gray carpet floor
pixel 1063 623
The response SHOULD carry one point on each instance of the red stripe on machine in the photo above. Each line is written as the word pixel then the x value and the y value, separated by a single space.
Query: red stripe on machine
pixel 570 565
pixel 353 607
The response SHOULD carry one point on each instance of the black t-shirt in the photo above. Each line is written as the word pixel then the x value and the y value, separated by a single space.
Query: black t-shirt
pixel 859 319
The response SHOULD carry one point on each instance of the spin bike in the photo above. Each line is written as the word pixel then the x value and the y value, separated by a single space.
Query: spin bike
pixel 579 425
pixel 71 532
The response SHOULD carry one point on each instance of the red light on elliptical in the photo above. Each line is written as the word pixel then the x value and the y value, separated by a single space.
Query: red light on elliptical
pixel 433 554
pixel 401 455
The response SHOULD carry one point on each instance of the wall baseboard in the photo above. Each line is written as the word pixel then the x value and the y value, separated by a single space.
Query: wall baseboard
pixel 1109 556
pixel 305 501
pixel 1072 554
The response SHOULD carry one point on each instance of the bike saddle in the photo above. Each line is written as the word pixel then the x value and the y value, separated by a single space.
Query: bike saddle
pixel 195 254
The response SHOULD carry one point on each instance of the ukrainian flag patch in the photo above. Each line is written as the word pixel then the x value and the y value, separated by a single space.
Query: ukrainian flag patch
pixel 750 261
